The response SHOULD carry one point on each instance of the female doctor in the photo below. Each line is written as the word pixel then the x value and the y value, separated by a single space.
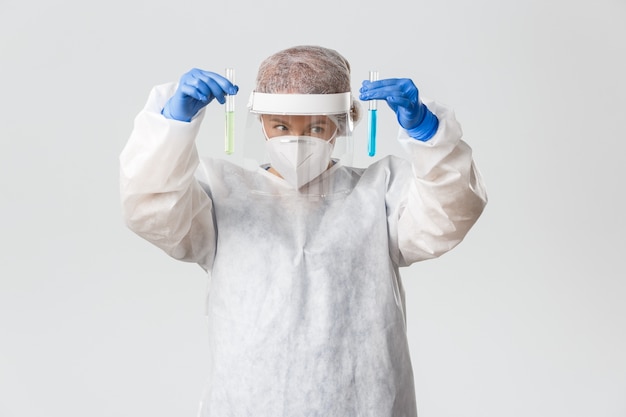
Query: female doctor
pixel 306 309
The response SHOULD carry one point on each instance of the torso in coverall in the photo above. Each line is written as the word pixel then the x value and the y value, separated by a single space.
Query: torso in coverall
pixel 306 309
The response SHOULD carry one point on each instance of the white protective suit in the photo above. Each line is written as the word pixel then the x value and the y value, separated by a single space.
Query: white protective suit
pixel 306 310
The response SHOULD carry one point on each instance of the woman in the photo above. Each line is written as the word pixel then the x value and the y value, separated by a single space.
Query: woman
pixel 306 307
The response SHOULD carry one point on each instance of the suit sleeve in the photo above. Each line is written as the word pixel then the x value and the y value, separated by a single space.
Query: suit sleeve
pixel 443 196
pixel 161 199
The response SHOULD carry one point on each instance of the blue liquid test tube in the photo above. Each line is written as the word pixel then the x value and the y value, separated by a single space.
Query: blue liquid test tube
pixel 229 140
pixel 372 116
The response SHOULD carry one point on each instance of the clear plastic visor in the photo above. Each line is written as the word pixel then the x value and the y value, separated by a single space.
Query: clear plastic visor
pixel 312 133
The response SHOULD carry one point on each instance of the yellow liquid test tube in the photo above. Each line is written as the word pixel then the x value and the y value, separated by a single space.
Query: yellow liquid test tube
pixel 229 139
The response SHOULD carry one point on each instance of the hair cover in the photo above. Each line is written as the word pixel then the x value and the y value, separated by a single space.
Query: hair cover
pixel 306 69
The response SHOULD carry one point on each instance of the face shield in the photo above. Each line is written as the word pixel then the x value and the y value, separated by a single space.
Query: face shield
pixel 300 141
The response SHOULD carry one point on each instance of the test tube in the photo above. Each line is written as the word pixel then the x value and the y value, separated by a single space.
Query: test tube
pixel 372 115
pixel 229 140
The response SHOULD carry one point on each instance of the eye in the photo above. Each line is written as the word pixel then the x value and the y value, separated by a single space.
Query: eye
pixel 278 129
pixel 322 130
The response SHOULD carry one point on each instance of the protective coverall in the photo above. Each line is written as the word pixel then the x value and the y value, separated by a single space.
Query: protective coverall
pixel 306 309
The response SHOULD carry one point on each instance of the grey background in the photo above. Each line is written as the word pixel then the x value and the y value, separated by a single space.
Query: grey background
pixel 525 318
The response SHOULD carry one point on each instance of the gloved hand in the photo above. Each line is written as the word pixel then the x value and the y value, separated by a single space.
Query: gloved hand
pixel 196 89
pixel 403 98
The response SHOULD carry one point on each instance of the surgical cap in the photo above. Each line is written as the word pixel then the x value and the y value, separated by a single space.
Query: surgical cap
pixel 306 69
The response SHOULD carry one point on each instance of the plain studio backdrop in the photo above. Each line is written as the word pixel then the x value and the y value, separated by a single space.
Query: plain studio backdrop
pixel 526 317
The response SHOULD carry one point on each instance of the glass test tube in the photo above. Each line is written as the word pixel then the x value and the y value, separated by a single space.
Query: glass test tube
pixel 229 140
pixel 372 115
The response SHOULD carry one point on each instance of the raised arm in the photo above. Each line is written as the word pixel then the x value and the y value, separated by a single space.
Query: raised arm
pixel 434 204
pixel 161 199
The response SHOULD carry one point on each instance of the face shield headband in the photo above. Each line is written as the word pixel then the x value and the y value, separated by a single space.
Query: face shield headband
pixel 300 104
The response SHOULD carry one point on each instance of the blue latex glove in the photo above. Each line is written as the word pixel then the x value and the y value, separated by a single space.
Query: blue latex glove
pixel 403 98
pixel 196 89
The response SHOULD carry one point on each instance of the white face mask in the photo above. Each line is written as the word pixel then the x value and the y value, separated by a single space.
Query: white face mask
pixel 299 159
